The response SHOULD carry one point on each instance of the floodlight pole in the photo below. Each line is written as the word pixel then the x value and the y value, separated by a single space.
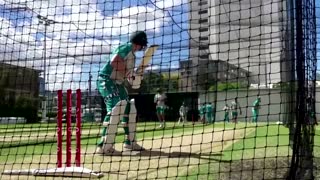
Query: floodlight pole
pixel 46 22
pixel 89 93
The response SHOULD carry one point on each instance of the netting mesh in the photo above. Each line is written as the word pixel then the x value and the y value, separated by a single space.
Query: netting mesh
pixel 223 89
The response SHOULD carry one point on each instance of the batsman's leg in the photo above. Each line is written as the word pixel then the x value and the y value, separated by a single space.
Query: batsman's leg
pixel 184 118
pixel 110 124
pixel 115 107
pixel 130 143
pixel 253 115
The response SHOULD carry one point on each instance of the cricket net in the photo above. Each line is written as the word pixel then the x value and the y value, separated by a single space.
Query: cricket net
pixel 229 92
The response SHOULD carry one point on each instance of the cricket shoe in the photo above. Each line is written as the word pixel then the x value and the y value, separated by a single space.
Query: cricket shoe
pixel 104 151
pixel 133 147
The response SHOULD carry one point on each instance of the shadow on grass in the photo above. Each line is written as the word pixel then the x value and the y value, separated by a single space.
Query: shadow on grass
pixel 175 154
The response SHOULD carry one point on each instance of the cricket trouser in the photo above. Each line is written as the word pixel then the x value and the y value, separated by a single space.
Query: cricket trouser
pixel 183 118
pixel 160 109
pixel 113 95
pixel 209 117
pixel 226 117
pixel 255 114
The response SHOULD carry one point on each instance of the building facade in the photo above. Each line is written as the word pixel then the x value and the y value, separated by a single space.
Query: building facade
pixel 19 91
pixel 248 34
pixel 210 73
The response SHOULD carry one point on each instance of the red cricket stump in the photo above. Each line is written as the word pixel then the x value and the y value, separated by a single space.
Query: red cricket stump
pixel 68 171
pixel 59 130
pixel 69 128
pixel 78 129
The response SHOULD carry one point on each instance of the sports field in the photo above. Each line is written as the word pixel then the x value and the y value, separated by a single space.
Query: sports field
pixel 215 151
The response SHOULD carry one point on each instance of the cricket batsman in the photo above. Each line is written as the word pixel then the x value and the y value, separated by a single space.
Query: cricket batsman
pixel 110 83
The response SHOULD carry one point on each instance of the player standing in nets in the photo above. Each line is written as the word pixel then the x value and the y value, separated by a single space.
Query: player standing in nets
pixel 110 83
pixel 202 113
pixel 235 106
pixel 255 110
pixel 210 113
pixel 226 110
pixel 160 100
pixel 183 111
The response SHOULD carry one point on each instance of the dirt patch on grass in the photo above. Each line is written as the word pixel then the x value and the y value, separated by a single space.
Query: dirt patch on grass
pixel 169 157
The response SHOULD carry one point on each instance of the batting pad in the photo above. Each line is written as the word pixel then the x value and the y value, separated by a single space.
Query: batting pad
pixel 58 172
pixel 132 121
pixel 116 114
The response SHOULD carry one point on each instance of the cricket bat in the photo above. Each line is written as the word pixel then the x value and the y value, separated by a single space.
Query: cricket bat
pixel 146 58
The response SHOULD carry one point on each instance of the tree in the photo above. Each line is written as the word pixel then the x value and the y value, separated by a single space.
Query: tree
pixel 227 86
pixel 171 82
pixel 151 82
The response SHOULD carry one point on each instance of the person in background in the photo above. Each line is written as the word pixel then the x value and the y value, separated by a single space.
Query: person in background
pixel 202 113
pixel 226 110
pixel 160 100
pixel 235 106
pixel 183 111
pixel 209 112
pixel 255 109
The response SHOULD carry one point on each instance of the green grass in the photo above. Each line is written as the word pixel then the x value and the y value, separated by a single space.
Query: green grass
pixel 267 141
pixel 268 147
pixel 265 144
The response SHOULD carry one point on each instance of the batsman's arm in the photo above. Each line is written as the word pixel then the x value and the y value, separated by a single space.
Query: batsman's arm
pixel 117 63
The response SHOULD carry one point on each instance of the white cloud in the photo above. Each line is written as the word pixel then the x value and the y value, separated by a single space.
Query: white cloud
pixel 167 4
pixel 153 67
pixel 141 18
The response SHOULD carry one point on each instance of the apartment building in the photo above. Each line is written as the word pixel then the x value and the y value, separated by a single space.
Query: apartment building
pixel 249 34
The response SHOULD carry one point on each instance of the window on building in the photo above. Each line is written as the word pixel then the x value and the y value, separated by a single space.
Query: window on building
pixel 203 47
pixel 203 21
pixel 203 11
pixel 203 38
pixel 204 2
pixel 205 56
pixel 204 29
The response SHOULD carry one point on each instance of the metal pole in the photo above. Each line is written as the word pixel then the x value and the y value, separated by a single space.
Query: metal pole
pixel 46 23
pixel 44 111
pixel 89 93
pixel 266 74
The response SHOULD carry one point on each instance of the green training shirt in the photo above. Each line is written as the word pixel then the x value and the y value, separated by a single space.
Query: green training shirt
pixel 125 52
